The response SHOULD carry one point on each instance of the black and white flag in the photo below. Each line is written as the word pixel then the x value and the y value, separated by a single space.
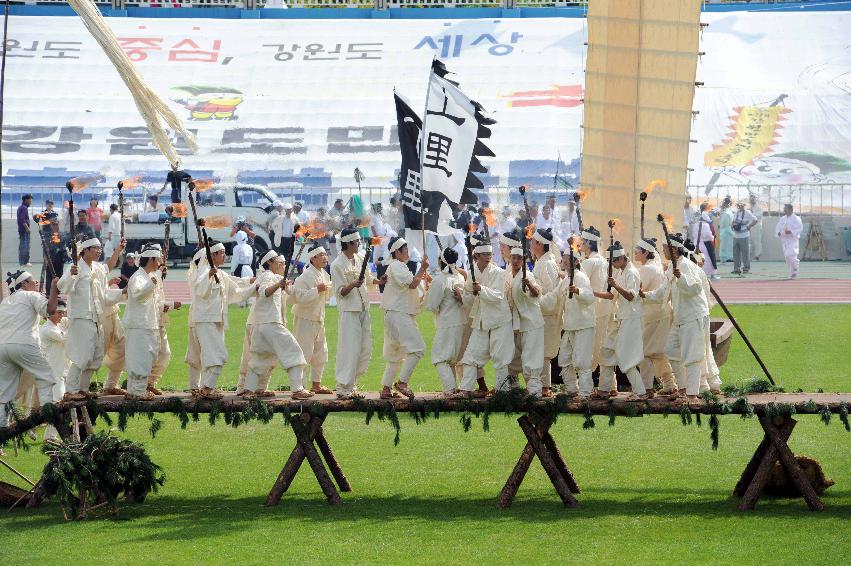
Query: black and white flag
pixel 447 156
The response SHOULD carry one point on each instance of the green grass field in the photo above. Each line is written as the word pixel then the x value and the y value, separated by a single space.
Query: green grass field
pixel 653 491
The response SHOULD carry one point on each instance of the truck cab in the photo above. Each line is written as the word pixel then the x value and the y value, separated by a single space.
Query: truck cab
pixel 220 206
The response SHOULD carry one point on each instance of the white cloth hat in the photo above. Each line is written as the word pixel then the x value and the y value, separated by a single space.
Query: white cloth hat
pixel 510 242
pixel 517 251
pixel 483 250
pixel 589 236
pixel 350 237
pixel 618 253
pixel 644 245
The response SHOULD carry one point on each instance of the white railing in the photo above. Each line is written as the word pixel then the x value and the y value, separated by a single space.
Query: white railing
pixel 372 4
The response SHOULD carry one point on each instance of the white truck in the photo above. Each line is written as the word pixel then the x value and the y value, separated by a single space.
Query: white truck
pixel 220 206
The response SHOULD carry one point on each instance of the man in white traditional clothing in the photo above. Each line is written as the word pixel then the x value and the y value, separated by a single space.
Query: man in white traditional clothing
pixel 579 318
pixel 445 300
pixel 113 333
pixel 91 305
pixel 546 272
pixel 213 291
pixel 142 321
pixel 113 229
pixel 506 226
pixel 193 348
pixel 19 335
pixel 492 337
pixel 354 328
pixel 523 295
pixel 789 230
pixel 164 356
pixel 271 342
pixel 656 319
pixel 686 348
pixel 310 294
pixel 403 344
pixel 51 337
pixel 710 379
pixel 623 345
pixel 596 267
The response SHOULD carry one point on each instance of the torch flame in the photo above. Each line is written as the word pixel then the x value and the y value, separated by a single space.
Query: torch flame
pixel 301 232
pixel 574 244
pixel 471 228
pixel 316 230
pixel 55 239
pixel 202 185
pixel 131 183
pixel 655 184
pixel 178 210
pixel 669 222
pixel 42 219
pixel 580 195
pixel 530 231
pixel 217 221
pixel 375 241
pixel 490 220
pixel 78 184
pixel 615 225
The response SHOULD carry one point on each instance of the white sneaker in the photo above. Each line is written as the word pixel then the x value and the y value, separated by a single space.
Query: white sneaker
pixel 28 264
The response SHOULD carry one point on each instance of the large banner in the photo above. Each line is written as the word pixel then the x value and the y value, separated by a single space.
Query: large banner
pixel 303 102
pixel 299 102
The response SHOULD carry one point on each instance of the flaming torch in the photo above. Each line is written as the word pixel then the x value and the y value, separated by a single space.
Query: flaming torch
pixel 577 198
pixel 655 183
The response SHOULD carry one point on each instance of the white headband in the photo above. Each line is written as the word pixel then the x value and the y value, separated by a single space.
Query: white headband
pixel 645 246
pixel 397 244
pixel 90 243
pixel 152 251
pixel 505 240
pixel 618 253
pixel 537 236
pixel 21 278
pixel 350 237
pixel 676 243
pixel 483 250
pixel 270 255
pixel 589 236
pixel 517 251
pixel 315 252
pixel 220 247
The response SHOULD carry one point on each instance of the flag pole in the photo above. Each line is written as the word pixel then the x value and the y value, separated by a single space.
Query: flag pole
pixel 422 154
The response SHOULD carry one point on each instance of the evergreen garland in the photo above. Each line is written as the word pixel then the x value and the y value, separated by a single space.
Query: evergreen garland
pixel 843 415
pixel 612 413
pixel 714 426
pixel 99 469
pixel 685 415
pixel 825 415
pixel 589 418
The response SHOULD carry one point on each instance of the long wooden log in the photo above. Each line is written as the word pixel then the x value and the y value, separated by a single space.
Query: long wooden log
pixel 435 402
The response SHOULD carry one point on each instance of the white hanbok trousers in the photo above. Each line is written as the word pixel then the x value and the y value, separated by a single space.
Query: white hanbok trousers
pixel 15 358
pixel 214 352
pixel 446 351
pixel 354 349
pixel 193 358
pixel 84 347
pixel 575 357
pixel 310 336
pixel 142 352
pixel 113 349
pixel 496 345
pixel 271 343
pixel 403 347
pixel 687 352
